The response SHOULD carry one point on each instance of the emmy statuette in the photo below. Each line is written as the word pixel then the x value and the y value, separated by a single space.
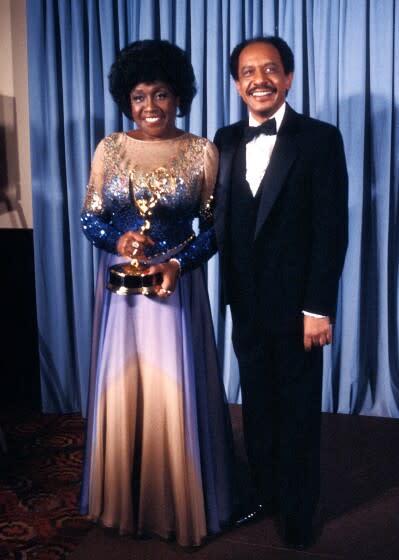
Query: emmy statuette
pixel 130 277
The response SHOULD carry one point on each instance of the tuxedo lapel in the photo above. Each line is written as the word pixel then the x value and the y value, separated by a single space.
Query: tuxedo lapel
pixel 283 155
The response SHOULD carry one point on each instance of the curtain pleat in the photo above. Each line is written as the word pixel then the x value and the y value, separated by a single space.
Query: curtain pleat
pixel 347 71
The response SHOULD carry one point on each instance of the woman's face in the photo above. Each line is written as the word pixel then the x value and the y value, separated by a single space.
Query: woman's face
pixel 154 109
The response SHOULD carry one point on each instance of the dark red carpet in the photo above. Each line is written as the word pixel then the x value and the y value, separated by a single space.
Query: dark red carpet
pixel 40 478
pixel 39 485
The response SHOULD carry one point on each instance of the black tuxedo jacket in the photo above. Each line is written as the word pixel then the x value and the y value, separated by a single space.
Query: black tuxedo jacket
pixel 301 228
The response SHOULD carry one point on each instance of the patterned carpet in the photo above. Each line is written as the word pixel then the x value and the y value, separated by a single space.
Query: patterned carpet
pixel 40 480
pixel 40 477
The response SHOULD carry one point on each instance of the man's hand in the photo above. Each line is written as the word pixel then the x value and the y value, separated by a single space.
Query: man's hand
pixel 316 331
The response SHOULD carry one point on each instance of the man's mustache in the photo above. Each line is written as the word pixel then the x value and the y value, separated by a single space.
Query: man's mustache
pixel 262 87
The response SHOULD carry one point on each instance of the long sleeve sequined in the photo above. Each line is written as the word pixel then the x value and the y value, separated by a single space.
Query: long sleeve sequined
pixel 178 175
pixel 96 219
pixel 200 249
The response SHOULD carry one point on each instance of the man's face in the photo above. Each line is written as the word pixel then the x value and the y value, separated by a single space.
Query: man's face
pixel 262 82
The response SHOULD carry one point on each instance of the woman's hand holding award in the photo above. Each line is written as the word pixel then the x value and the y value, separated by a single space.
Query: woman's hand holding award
pixel 131 277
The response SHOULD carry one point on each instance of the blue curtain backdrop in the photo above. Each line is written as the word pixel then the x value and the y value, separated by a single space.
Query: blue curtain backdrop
pixel 347 73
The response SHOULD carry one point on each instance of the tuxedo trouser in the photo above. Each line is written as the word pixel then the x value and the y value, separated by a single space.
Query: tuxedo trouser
pixel 281 404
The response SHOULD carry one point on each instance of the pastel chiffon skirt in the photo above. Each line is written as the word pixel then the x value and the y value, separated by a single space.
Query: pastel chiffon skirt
pixel 159 453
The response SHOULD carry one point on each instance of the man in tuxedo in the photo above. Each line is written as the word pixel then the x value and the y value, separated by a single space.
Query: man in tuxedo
pixel 281 227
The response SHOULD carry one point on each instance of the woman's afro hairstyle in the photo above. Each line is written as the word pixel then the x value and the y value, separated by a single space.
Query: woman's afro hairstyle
pixel 149 61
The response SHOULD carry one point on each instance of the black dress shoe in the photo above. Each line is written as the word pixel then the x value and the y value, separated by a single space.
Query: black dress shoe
pixel 256 514
pixel 297 534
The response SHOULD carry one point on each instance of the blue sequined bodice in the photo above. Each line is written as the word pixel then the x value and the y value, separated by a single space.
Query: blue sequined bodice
pixel 157 187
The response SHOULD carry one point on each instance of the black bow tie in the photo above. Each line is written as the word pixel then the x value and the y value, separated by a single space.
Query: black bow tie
pixel 268 128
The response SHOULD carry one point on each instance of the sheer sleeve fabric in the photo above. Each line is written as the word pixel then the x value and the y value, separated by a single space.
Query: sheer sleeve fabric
pixel 96 220
pixel 203 246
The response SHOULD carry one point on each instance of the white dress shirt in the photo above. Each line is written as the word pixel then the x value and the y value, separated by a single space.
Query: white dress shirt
pixel 259 151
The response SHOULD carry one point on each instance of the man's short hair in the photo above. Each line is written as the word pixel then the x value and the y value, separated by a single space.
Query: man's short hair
pixel 286 54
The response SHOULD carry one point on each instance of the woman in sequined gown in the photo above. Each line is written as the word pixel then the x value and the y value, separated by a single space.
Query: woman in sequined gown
pixel 158 454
